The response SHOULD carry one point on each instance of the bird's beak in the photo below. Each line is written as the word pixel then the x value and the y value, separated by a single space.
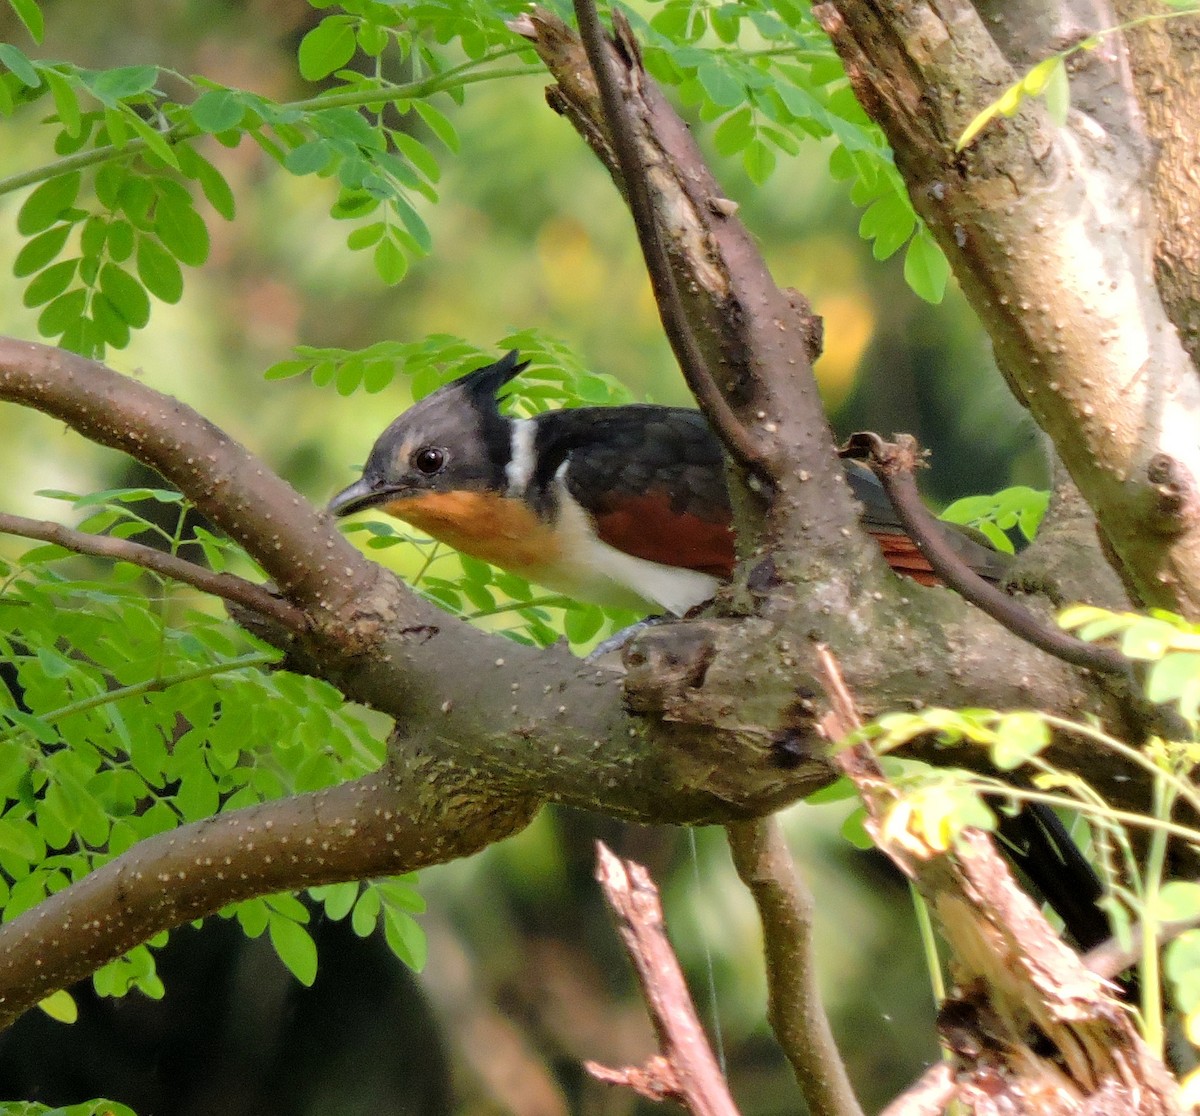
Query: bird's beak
pixel 361 494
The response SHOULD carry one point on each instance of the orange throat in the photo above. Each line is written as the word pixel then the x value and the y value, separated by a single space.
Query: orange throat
pixel 484 525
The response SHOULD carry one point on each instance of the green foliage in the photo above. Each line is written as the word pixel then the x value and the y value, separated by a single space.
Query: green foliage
pixel 112 224
pixel 767 78
pixel 1169 642
pixel 1018 508
pixel 127 711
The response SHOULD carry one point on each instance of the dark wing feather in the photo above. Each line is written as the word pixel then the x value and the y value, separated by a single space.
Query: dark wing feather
pixel 652 479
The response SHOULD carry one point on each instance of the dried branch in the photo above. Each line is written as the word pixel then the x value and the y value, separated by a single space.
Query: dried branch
pixel 1026 1021
pixel 685 1070
pixel 794 1008
pixel 236 590
pixel 1111 958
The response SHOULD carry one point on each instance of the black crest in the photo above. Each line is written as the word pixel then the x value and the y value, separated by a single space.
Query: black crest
pixel 485 383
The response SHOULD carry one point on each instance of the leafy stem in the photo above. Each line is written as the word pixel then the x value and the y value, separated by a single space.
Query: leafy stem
pixel 148 686
pixel 456 77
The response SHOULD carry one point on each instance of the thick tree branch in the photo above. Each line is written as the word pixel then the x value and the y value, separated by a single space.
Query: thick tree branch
pixel 794 1008
pixel 379 825
pixel 1047 231
pixel 235 590
pixel 1164 65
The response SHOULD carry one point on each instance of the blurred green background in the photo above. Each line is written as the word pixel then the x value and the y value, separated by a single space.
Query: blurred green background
pixel 526 978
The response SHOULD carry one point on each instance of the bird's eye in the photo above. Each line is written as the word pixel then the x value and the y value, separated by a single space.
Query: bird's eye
pixel 429 460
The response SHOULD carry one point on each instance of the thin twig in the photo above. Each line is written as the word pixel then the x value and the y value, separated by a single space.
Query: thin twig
pixel 228 587
pixel 893 465
pixel 794 1008
pixel 685 1070
pixel 733 433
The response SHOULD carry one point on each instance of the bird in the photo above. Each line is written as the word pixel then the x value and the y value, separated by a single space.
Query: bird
pixel 627 506
pixel 623 506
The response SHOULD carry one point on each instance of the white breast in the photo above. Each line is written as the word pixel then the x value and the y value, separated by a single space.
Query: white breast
pixel 592 570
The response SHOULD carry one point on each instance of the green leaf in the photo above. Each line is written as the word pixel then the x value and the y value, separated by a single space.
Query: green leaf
pixel 338 899
pixel 1147 638
pixel 1173 677
pixel 406 939
pixel 366 911
pixel 372 38
pixel 926 269
pixel 1178 900
pixel 439 124
pixel 366 236
pixel 51 282
pixel 734 132
pixel 212 182
pixel 21 839
pixel 48 203
pixel 217 110
pixel 1035 82
pixel 63 313
pixel 581 624
pixel 66 102
pixel 126 294
pixel 158 270
pixel 60 1006
pixel 181 229
pixel 390 262
pixel 152 137
pixel 20 66
pixel 1019 737
pixel 413 223
pixel 120 240
pixel 419 155
pixel 310 158
pixel 1181 963
pixel 720 86
pixel 1058 94
pixel 28 12
pixel 40 250
pixel 889 222
pixel 111 86
pixel 759 161
pixel 854 829
pixel 327 47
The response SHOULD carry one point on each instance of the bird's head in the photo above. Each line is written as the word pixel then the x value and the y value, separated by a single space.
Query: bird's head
pixel 454 440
